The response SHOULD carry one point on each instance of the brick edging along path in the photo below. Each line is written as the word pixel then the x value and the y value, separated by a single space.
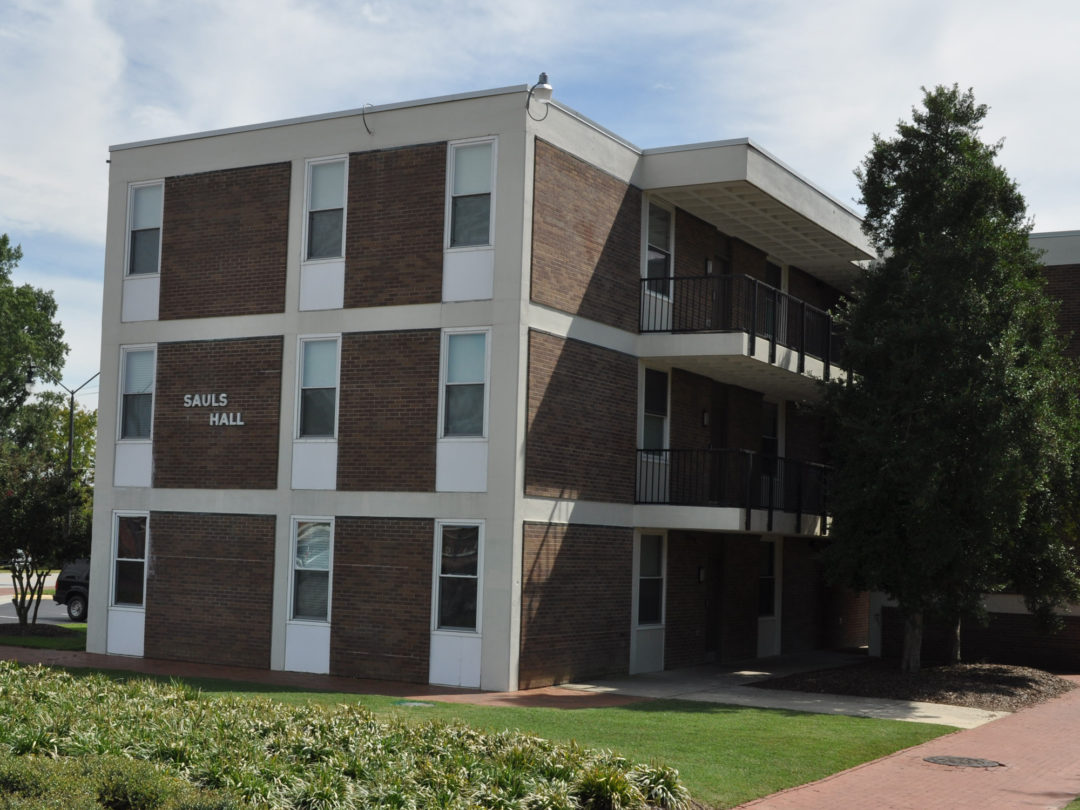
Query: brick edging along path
pixel 1039 748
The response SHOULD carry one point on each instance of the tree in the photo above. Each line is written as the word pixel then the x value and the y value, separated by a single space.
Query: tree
pixel 956 437
pixel 31 340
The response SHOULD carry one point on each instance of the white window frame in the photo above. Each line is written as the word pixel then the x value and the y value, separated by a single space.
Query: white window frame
pixel 124 351
pixel 130 222
pixel 300 386
pixel 113 560
pixel 294 525
pixel 444 363
pixel 436 582
pixel 448 222
pixel 308 164
pixel 653 452
pixel 649 202
pixel 636 606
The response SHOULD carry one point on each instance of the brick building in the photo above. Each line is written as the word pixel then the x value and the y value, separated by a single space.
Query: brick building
pixel 444 393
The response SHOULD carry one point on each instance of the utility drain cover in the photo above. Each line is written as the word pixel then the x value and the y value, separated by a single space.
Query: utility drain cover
pixel 965 762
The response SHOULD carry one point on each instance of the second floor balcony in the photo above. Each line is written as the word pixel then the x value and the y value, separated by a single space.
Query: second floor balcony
pixel 773 326
pixel 739 479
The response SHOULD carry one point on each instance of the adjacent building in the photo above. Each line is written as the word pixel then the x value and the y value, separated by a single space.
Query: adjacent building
pixel 468 391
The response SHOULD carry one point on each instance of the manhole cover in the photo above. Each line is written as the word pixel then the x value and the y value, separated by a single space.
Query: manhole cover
pixel 965 762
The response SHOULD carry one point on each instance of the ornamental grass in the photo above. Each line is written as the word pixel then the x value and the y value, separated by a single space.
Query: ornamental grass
pixel 91 741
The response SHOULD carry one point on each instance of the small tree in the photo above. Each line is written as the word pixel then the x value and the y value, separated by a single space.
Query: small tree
pixel 956 436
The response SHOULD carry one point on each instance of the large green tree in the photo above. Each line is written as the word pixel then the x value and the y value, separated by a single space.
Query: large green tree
pixel 956 435
pixel 31 339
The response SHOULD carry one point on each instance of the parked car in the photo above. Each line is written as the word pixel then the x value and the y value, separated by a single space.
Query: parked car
pixel 73 589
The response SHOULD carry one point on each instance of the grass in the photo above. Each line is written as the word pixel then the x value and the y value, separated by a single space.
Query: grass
pixel 725 755
pixel 74 640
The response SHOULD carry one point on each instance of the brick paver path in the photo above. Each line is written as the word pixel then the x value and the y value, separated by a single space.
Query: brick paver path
pixel 1040 749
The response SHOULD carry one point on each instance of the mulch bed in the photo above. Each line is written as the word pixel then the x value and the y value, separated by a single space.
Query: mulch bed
pixel 994 687
pixel 40 629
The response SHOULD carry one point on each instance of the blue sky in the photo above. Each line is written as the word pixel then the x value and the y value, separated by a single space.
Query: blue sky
pixel 811 82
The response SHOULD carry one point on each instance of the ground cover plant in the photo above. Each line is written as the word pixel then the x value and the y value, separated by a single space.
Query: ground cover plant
pixel 725 755
pixel 255 752
pixel 67 636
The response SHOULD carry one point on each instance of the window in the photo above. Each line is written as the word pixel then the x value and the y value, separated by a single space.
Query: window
pixel 137 393
pixel 658 257
pixel 654 429
pixel 767 579
pixel 470 194
pixel 311 570
pixel 144 238
pixel 129 556
pixel 318 388
pixel 465 376
pixel 458 575
pixel 326 210
pixel 651 580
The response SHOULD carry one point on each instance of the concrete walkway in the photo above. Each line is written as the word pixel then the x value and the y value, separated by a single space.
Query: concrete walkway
pixel 717 684
pixel 1039 752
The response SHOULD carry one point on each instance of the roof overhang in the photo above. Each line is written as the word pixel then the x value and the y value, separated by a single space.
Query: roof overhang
pixel 1059 247
pixel 747 193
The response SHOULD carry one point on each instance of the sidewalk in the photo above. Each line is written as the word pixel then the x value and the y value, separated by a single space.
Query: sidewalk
pixel 1039 749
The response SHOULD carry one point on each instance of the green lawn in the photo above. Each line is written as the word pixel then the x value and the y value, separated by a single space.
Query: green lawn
pixel 726 755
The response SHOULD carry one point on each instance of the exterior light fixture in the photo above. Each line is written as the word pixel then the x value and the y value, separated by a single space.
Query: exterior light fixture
pixel 541 92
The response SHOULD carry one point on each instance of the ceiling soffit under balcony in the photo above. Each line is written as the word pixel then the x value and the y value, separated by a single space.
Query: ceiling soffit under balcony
pixel 746 193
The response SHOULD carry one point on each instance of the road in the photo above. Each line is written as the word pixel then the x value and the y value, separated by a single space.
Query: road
pixel 49 611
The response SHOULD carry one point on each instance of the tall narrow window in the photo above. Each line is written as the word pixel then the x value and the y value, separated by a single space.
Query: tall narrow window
pixel 656 408
pixel 658 268
pixel 311 570
pixel 326 210
pixel 651 580
pixel 129 560
pixel 137 386
pixel 144 242
pixel 318 388
pixel 466 377
pixel 459 566
pixel 470 195
pixel 767 579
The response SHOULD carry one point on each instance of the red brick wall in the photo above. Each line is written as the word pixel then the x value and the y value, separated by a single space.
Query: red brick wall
pixel 805 435
pixel 743 428
pixel 696 242
pixel 575 603
pixel 224 242
pixel 691 395
pixel 188 450
pixel 389 407
pixel 394 235
pixel 381 614
pixel 1063 284
pixel 747 260
pixel 847 618
pixel 739 600
pixel 209 588
pixel 1007 639
pixel 690 601
pixel 811 290
pixel 801 597
pixel 586 242
pixel 581 440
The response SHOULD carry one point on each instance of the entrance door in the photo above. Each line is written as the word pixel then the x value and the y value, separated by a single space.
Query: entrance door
pixel 769 583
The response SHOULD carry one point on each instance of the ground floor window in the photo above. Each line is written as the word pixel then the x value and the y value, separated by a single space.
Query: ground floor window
pixel 651 580
pixel 312 551
pixel 458 574
pixel 129 559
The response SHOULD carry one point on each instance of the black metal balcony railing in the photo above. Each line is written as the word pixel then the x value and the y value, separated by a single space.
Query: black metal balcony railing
pixel 737 303
pixel 734 478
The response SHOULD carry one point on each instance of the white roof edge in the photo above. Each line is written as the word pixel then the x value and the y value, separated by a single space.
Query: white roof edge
pixel 585 120
pixel 1053 234
pixel 211 133
pixel 750 143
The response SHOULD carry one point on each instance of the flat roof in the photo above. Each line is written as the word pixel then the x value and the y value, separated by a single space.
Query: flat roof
pixel 1060 247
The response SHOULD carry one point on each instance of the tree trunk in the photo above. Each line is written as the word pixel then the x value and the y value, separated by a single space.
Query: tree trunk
pixel 954 655
pixel 911 659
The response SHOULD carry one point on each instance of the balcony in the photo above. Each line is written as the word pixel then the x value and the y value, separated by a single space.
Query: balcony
pixel 739 479
pixel 739 303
